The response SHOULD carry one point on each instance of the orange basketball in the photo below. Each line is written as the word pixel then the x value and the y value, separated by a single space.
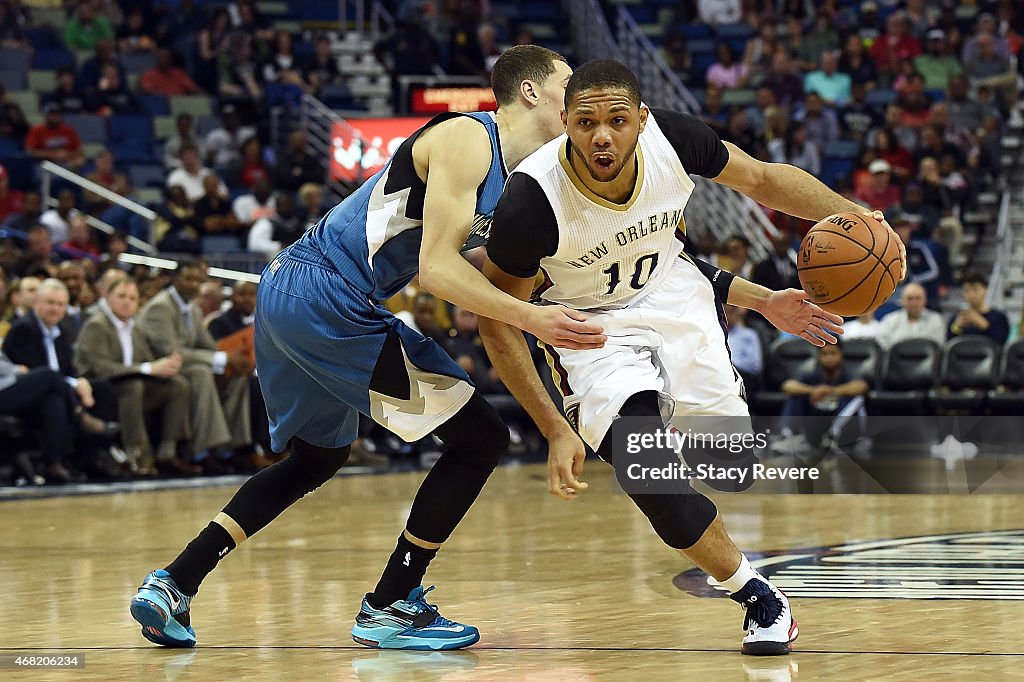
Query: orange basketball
pixel 849 264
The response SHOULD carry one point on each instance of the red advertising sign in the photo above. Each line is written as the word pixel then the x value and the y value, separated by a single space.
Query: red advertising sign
pixel 372 144
pixel 439 100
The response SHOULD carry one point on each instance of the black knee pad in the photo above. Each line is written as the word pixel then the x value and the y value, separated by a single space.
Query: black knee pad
pixel 679 520
pixel 476 436
pixel 315 464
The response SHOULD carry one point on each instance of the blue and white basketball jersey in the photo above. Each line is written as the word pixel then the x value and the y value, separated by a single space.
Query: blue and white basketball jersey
pixel 373 237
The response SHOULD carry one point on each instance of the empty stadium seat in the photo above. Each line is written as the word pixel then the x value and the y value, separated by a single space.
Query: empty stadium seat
pixel 788 358
pixel 15 59
pixel 841 149
pixel 155 105
pixel 862 359
pixel 197 105
pixel 91 128
pixel 137 62
pixel 51 59
pixel 908 373
pixel 13 80
pixel 42 81
pixel 968 369
pixel 146 175
pixel 1008 396
pixel 128 127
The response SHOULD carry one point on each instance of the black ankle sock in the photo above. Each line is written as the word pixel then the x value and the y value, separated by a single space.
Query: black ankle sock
pixel 404 571
pixel 200 557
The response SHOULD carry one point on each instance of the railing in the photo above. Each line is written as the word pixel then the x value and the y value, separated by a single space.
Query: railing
pixel 716 208
pixel 378 14
pixel 318 122
pixel 1001 268
pixel 168 262
pixel 380 18
pixel 49 169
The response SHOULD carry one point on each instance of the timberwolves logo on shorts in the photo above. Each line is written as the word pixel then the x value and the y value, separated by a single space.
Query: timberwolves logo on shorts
pixel 987 565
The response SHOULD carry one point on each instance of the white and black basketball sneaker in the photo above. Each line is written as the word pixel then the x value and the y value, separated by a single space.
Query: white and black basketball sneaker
pixel 771 628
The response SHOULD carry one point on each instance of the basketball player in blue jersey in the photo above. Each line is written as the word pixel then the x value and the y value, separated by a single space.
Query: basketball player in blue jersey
pixel 596 212
pixel 326 350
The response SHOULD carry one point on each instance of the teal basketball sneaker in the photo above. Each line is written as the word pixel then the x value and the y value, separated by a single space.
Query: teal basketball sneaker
pixel 411 623
pixel 162 610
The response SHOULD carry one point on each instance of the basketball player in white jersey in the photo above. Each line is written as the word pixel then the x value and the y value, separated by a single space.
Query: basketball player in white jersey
pixel 598 214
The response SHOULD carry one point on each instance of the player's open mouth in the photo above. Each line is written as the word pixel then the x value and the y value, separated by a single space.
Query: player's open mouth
pixel 604 161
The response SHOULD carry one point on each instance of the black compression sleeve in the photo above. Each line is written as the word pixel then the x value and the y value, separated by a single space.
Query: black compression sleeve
pixel 523 229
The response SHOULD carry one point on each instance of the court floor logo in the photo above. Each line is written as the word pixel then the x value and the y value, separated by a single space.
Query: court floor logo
pixel 985 565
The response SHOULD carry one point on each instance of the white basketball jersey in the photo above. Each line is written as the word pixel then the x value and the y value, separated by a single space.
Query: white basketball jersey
pixel 610 255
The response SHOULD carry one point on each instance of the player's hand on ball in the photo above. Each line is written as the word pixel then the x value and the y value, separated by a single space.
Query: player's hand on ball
pixel 563 327
pixel 790 311
pixel 566 453
pixel 880 217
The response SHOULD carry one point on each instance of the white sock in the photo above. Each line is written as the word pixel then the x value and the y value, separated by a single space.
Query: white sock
pixel 740 578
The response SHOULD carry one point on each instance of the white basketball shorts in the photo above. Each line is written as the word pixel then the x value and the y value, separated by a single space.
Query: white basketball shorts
pixel 670 341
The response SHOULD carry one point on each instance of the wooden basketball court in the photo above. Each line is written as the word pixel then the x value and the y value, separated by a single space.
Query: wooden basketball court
pixel 560 591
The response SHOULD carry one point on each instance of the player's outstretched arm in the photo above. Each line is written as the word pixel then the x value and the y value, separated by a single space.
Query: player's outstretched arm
pixel 458 154
pixel 792 190
pixel 507 349
pixel 789 310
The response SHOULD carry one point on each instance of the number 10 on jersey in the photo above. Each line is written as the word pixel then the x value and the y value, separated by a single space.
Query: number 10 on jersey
pixel 643 268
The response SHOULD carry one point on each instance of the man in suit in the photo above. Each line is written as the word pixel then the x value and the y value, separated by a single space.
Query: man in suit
pixel 172 323
pixel 778 272
pixel 111 346
pixel 37 340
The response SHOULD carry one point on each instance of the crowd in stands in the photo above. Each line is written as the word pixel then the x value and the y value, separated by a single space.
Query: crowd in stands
pixel 899 105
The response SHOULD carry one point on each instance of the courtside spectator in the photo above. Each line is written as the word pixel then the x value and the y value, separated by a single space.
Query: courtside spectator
pixel 979 318
pixel 913 321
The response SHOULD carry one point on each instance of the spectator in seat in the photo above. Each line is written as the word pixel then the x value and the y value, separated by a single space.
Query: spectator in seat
pixel 796 149
pixel 895 45
pixel 167 79
pixel 745 348
pixel 54 140
pixel 176 228
pixel 985 27
pixel 311 196
pixel 72 276
pixel 282 66
pixel 880 194
pixel 39 259
pixel 23 295
pixel 782 78
pixel 11 200
pixel 39 340
pixel 914 321
pixel 296 166
pixel 832 85
pixel 184 134
pixel 269 235
pixel 821 39
pixel 926 261
pixel 856 63
pixel 990 67
pixel 727 73
pixel 261 203
pixel 13 124
pixel 828 391
pixel 979 318
pixel 106 175
pixel 253 168
pixel 113 347
pixel 58 220
pixel 112 95
pixel 210 301
pixel 174 324
pixel 322 67
pixel 68 96
pixel 85 28
pixel 239 318
pixel 466 348
pixel 715 113
pixel 190 175
pixel 239 73
pixel 44 400
pixel 134 35
pixel 213 210
pixel 820 121
pixel 31 210
pixel 224 144
pixel 91 73
pixel 865 326
pixel 778 271
pixel 937 65
pixel 213 41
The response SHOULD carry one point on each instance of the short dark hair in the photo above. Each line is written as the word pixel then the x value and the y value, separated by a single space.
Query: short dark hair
pixel 603 74
pixel 518 64
pixel 975 277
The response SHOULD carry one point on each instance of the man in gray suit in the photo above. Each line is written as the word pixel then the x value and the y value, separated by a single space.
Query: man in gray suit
pixel 172 324
pixel 111 346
